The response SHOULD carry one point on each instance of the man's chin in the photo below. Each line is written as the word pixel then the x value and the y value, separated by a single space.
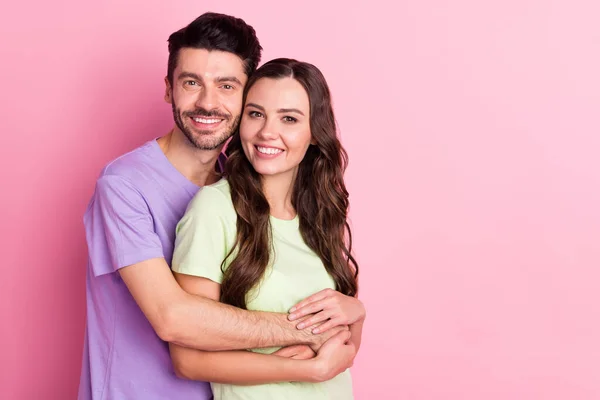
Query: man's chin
pixel 207 143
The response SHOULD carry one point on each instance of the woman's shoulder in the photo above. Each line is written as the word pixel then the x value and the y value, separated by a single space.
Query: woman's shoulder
pixel 214 196
pixel 222 186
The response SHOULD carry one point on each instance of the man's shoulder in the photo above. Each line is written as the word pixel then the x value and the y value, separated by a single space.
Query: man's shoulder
pixel 132 164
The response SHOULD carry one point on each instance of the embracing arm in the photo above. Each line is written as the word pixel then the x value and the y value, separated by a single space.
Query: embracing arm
pixel 202 323
pixel 122 242
pixel 248 368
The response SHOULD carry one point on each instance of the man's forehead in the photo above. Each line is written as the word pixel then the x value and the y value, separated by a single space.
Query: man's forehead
pixel 210 64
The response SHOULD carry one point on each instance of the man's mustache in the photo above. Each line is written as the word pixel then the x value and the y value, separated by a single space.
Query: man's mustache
pixel 205 114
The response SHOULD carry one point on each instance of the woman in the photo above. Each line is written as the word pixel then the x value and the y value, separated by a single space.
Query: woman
pixel 274 232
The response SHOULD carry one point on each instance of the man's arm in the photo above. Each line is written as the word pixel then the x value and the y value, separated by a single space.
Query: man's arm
pixel 121 238
pixel 193 321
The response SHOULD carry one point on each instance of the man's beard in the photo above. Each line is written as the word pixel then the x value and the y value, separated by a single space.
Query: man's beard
pixel 205 140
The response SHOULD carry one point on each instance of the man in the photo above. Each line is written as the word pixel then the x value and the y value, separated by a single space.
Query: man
pixel 134 304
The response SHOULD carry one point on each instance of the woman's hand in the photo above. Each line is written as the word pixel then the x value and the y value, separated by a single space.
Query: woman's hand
pixel 330 308
pixel 334 357
pixel 297 352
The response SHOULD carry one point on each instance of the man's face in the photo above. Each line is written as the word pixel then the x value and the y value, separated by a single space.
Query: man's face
pixel 206 95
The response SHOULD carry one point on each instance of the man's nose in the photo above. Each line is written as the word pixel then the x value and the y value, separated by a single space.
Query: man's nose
pixel 207 99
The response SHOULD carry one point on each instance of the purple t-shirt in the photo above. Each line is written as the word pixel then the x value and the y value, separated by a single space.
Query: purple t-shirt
pixel 139 199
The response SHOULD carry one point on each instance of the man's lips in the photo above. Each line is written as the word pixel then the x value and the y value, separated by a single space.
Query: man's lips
pixel 204 123
pixel 207 120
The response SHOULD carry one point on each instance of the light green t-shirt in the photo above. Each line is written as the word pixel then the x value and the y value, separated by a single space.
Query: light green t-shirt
pixel 205 235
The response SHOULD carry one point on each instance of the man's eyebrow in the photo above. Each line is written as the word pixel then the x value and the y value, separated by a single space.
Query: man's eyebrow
pixel 219 79
pixel 192 75
pixel 222 79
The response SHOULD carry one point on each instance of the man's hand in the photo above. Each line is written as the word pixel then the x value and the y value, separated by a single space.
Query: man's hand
pixel 297 352
pixel 330 308
pixel 313 340
pixel 334 357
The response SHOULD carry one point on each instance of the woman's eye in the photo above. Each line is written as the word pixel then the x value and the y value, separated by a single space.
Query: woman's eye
pixel 289 119
pixel 255 114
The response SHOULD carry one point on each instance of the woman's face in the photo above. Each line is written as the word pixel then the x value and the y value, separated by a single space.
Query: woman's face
pixel 275 127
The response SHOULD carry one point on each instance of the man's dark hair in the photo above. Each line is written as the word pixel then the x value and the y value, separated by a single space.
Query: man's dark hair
pixel 213 31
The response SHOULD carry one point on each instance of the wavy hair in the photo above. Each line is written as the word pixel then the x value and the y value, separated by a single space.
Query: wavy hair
pixel 319 195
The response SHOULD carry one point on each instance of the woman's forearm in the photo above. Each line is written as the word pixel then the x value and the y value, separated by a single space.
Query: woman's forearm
pixel 356 332
pixel 240 367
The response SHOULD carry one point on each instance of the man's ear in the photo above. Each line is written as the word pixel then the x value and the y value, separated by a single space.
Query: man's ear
pixel 168 91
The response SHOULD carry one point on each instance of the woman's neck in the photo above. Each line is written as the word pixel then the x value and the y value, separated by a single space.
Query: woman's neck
pixel 278 190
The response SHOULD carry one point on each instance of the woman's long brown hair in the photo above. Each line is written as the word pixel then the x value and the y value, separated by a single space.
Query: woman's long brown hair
pixel 319 195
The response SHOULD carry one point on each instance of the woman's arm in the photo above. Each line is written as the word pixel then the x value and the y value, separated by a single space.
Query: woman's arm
pixel 248 368
pixel 240 367
pixel 356 332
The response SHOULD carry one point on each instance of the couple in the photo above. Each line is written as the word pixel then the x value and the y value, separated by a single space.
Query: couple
pixel 182 281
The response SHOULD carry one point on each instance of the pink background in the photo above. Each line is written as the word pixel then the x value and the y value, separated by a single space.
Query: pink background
pixel 473 133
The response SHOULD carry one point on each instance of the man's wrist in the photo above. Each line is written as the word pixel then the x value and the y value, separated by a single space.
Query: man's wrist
pixel 282 332
pixel 294 335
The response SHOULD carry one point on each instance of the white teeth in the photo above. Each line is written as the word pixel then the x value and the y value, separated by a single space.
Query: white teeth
pixel 268 150
pixel 206 121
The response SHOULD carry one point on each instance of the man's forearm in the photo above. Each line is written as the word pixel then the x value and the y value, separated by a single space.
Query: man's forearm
pixel 204 324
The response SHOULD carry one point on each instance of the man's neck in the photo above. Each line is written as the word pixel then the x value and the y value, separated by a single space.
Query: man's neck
pixel 198 166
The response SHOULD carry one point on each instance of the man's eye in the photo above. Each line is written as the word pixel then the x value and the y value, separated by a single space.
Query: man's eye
pixel 191 83
pixel 227 87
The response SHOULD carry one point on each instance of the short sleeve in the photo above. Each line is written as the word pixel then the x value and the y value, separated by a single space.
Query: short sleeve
pixel 119 227
pixel 205 235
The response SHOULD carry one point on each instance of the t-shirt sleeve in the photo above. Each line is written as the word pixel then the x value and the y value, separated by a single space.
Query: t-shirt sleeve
pixel 204 235
pixel 119 227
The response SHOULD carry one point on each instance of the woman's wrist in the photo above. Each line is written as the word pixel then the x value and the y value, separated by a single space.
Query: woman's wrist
pixel 312 370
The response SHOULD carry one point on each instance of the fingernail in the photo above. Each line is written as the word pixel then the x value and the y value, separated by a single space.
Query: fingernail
pixel 292 317
pixel 316 330
pixel 292 309
pixel 301 325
